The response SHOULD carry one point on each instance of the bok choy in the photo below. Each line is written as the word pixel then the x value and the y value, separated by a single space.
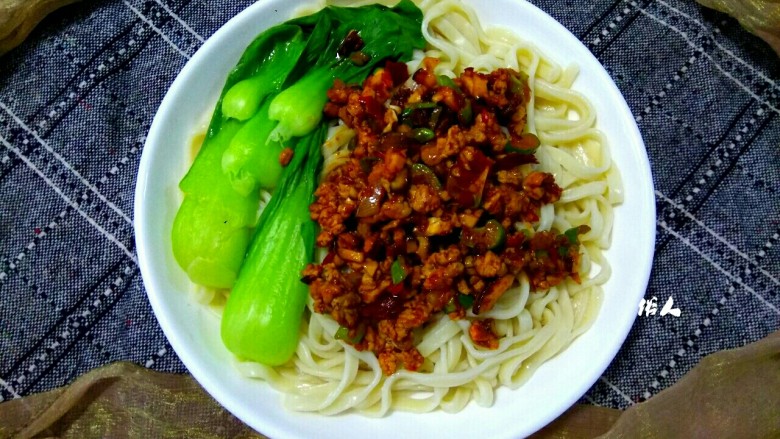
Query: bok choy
pixel 274 99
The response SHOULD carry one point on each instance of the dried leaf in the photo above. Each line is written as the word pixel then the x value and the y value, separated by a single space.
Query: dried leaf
pixel 122 400
pixel 760 17
pixel 19 17
pixel 730 393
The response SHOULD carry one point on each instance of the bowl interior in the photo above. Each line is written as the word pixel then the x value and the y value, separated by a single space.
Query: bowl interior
pixel 193 330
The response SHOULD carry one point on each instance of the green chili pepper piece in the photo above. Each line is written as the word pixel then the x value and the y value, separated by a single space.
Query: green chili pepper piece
pixel 435 116
pixel 446 81
pixel 423 135
pixel 529 144
pixel 466 114
pixel 426 174
pixel 572 234
pixel 361 331
pixel 342 333
pixel 367 163
pixel 450 306
pixel 397 271
pixel 417 106
pixel 491 235
pixel 510 148
pixel 516 86
pixel 466 300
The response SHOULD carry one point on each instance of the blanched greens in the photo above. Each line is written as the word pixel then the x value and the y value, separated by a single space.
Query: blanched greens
pixel 213 226
pixel 263 313
pixel 273 99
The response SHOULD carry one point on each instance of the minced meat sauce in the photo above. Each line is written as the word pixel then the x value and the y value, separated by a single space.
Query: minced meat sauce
pixel 431 212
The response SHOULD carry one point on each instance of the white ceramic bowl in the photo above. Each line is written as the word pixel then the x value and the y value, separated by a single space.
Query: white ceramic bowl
pixel 194 331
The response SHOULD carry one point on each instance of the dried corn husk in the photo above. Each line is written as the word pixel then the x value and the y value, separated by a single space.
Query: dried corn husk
pixel 760 17
pixel 732 393
pixel 19 17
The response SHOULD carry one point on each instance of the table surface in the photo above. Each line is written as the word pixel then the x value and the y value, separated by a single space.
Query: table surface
pixel 77 99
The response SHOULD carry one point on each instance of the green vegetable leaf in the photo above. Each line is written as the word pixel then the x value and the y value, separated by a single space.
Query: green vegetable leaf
pixel 282 47
pixel 263 313
pixel 276 91
pixel 251 160
pixel 387 33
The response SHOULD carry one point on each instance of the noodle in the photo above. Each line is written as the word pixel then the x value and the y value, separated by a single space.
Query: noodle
pixel 330 377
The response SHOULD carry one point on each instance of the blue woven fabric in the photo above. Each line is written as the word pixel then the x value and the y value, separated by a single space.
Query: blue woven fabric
pixel 77 99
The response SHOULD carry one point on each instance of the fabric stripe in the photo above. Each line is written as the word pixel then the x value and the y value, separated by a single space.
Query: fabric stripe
pixel 599 19
pixel 617 390
pixel 62 160
pixel 113 239
pixel 63 337
pixel 156 29
pixel 725 73
pixel 717 266
pixel 626 20
pixel 180 21
pixel 715 235
pixel 718 45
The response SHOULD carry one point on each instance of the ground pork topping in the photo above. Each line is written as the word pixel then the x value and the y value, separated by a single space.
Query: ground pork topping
pixel 431 213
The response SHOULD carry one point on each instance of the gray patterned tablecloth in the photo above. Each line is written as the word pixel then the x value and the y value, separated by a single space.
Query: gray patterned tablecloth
pixel 77 98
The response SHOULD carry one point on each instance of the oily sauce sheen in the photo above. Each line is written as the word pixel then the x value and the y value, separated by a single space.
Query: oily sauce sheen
pixel 432 212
